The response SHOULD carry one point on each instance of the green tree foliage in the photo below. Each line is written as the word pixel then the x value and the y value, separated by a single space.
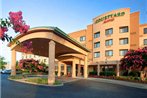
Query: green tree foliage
pixel 2 63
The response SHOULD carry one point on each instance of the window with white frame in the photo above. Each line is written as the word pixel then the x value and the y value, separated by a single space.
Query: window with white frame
pixel 96 54
pixel 97 44
pixel 96 35
pixel 109 42
pixel 82 38
pixel 123 29
pixel 109 53
pixel 123 41
pixel 145 30
pixel 122 52
pixel 109 31
pixel 145 42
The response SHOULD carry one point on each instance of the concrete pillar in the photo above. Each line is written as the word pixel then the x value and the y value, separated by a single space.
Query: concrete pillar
pixel 59 69
pixel 65 69
pixel 117 69
pixel 85 67
pixel 73 69
pixel 98 69
pixel 51 68
pixel 79 69
pixel 13 62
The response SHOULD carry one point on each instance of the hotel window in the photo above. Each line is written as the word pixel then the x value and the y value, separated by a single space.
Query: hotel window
pixel 123 29
pixel 96 54
pixel 122 52
pixel 145 41
pixel 109 31
pixel 109 53
pixel 109 42
pixel 123 41
pixel 145 30
pixel 30 56
pixel 44 60
pixel 96 35
pixel 97 44
pixel 82 38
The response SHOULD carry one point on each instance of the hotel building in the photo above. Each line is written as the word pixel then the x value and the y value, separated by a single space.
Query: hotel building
pixel 108 39
pixel 110 36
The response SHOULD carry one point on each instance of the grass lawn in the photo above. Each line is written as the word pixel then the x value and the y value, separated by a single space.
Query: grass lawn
pixel 17 77
pixel 40 80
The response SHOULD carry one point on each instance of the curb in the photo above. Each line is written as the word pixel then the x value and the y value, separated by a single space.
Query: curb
pixel 35 83
pixel 119 82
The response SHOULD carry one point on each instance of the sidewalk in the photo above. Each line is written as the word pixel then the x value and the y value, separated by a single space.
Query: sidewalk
pixel 119 82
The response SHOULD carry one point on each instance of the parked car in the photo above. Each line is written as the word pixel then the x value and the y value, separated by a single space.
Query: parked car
pixel 0 70
pixel 6 71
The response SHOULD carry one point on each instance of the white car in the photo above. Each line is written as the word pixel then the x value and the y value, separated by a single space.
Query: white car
pixel 6 71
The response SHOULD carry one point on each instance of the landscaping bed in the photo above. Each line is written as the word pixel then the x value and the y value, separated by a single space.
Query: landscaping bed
pixel 34 80
pixel 40 80
pixel 123 78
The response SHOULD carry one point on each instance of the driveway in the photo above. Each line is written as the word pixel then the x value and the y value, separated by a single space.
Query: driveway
pixel 77 89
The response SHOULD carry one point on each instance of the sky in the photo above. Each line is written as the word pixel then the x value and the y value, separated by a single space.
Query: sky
pixel 68 15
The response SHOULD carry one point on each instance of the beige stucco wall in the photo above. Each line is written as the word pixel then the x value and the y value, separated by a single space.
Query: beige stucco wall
pixel 134 30
pixel 87 43
pixel 142 36
pixel 135 34
pixel 115 24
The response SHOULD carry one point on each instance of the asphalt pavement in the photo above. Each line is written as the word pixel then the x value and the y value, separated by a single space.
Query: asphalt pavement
pixel 81 88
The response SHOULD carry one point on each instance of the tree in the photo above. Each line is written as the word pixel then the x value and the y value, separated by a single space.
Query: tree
pixel 2 63
pixel 16 22
pixel 135 60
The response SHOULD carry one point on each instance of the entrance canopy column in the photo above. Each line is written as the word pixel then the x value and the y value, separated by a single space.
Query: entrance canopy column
pixel 79 68
pixel 65 69
pixel 73 68
pixel 117 69
pixel 13 62
pixel 51 68
pixel 59 68
pixel 98 69
pixel 85 67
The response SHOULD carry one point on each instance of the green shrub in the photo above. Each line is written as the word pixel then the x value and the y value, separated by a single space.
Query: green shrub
pixel 38 80
pixel 56 73
pixel 42 81
pixel 108 73
pixel 31 65
pixel 93 73
pixel 57 82
pixel 134 73
pixel 17 77
pixel 136 78
pixel 124 73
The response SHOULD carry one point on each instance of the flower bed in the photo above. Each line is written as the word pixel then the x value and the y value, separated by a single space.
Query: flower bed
pixel 32 66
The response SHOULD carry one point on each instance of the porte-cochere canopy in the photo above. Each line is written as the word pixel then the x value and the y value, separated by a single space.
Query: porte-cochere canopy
pixel 40 36
pixel 49 42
